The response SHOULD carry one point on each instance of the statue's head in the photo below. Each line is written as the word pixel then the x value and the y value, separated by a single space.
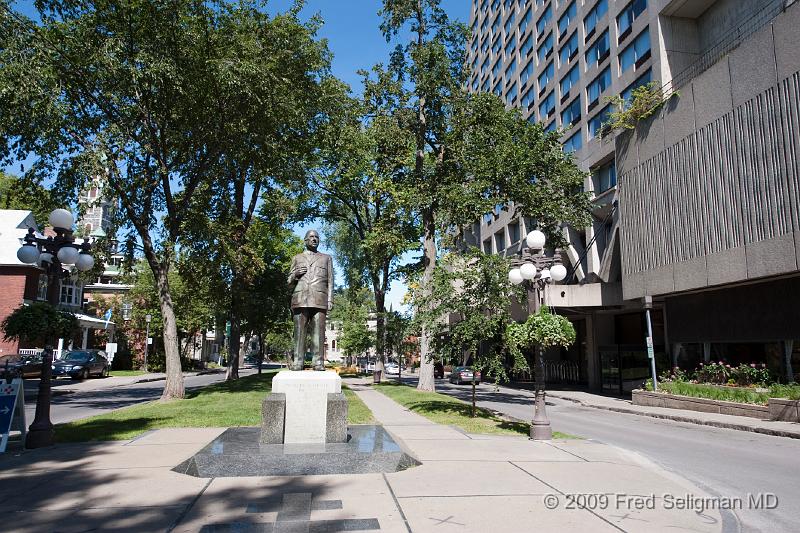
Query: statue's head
pixel 312 240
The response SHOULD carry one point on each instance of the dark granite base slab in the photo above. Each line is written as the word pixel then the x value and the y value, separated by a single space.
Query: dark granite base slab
pixel 237 453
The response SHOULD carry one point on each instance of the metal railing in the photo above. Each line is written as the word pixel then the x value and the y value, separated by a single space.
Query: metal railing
pixel 744 29
pixel 554 372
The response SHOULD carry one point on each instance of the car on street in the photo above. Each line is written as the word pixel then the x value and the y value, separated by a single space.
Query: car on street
pixel 26 366
pixel 82 364
pixel 438 370
pixel 392 369
pixel 464 374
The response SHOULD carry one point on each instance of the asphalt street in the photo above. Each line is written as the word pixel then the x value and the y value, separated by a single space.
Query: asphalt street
pixel 72 406
pixel 726 463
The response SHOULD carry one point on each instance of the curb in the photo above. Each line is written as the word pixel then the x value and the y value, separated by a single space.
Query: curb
pixel 687 419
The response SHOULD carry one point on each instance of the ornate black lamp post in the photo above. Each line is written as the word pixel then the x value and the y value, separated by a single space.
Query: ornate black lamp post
pixel 536 279
pixel 52 253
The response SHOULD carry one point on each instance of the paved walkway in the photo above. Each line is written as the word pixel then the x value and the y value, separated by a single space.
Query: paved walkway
pixel 741 423
pixel 466 483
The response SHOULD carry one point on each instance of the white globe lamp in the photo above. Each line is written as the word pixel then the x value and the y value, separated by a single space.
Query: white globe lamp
pixel 545 274
pixel 515 276
pixel 45 257
pixel 61 218
pixel 535 239
pixel 528 271
pixel 28 254
pixel 68 255
pixel 558 272
pixel 85 262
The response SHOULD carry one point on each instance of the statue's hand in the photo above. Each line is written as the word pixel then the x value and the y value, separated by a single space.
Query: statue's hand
pixel 330 305
pixel 300 272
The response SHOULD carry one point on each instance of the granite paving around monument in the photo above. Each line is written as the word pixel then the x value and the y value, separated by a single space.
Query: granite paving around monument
pixel 237 453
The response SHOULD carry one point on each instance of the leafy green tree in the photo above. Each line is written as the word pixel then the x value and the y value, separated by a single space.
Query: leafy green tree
pixel 39 322
pixel 360 163
pixel 150 96
pixel 470 153
pixel 351 312
pixel 16 193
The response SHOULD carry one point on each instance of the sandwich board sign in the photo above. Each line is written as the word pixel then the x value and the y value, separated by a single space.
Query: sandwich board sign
pixel 12 410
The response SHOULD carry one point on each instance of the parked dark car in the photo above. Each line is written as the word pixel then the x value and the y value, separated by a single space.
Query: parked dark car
pixel 26 366
pixel 81 364
pixel 438 370
pixel 463 374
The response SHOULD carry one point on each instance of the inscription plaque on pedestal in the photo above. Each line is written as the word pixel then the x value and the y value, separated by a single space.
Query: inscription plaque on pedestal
pixel 306 417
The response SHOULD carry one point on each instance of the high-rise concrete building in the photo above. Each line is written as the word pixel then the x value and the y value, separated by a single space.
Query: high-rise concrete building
pixel 696 209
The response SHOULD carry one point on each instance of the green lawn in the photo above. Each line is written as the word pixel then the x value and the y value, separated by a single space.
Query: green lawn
pixel 225 404
pixel 447 410
pixel 124 373
pixel 357 411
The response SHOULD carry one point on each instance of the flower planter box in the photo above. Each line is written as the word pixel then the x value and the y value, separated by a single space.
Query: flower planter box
pixel 703 405
pixel 784 410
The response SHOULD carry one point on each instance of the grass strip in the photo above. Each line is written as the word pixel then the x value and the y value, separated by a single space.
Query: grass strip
pixel 126 373
pixel 357 410
pixel 224 404
pixel 446 410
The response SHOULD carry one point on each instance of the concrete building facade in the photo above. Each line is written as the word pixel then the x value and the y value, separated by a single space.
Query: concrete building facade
pixel 705 191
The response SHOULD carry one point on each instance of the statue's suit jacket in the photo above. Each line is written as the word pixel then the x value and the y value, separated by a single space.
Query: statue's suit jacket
pixel 315 288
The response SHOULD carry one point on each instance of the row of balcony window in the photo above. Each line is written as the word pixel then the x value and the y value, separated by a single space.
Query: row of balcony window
pixel 569 42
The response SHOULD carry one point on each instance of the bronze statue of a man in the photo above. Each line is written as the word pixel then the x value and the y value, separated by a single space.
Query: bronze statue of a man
pixel 311 278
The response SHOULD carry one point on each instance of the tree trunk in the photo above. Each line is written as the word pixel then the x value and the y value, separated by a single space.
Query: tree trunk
pixel 173 388
pixel 234 341
pixel 426 381
pixel 380 328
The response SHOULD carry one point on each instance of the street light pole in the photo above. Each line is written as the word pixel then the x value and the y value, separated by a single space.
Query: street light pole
pixel 537 280
pixel 147 319
pixel 51 254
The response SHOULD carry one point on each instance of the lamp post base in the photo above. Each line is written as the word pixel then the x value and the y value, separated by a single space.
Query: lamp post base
pixel 40 437
pixel 540 425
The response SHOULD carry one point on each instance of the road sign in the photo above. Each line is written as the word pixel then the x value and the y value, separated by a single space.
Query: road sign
pixel 12 408
pixel 650 352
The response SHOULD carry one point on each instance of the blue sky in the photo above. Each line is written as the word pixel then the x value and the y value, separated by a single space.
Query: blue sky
pixel 352 30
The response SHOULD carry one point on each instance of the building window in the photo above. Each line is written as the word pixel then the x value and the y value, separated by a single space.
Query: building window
pixel 510 68
pixel 594 15
pixel 513 232
pixel 526 47
pixel 566 18
pixel 544 19
pixel 71 293
pixel 485 86
pixel 569 50
pixel 496 45
pixel 526 19
pixel 597 121
pixel 545 48
pixel 628 15
pixel 485 44
pixel 550 127
pixel 573 143
pixel 500 241
pixel 568 81
pixel 498 87
pixel 475 82
pixel 604 177
pixel 496 68
pixel 598 51
pixel 546 76
pixel 511 94
pixel 528 97
pixel 644 79
pixel 597 86
pixel 41 292
pixel 487 246
pixel 636 53
pixel 547 107
pixel 507 25
pixel 510 45
pixel 333 344
pixel 496 25
pixel 572 113
pixel 526 72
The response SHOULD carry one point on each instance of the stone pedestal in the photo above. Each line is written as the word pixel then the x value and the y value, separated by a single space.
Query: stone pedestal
pixel 313 405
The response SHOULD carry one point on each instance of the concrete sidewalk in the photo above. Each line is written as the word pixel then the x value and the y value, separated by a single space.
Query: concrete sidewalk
pixel 465 483
pixel 740 423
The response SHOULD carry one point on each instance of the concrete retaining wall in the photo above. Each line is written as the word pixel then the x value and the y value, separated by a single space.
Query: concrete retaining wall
pixel 784 410
pixel 672 401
